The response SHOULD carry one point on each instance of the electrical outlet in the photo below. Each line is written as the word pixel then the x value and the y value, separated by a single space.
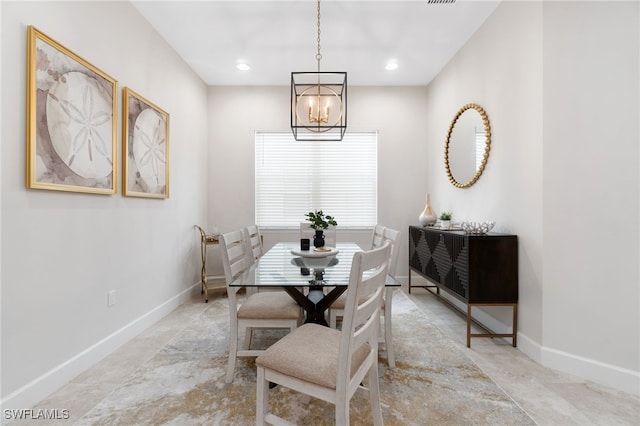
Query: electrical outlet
pixel 111 298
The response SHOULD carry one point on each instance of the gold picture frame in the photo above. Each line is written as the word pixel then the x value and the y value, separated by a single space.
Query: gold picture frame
pixel 145 147
pixel 71 125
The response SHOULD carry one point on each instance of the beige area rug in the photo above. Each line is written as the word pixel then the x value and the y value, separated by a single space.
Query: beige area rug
pixel 434 383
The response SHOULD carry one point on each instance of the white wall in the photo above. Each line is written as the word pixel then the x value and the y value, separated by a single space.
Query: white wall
pixel 62 252
pixel 397 113
pixel 591 297
pixel 500 69
pixel 559 81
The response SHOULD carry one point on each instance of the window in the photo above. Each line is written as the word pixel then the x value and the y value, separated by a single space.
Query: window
pixel 295 177
pixel 481 142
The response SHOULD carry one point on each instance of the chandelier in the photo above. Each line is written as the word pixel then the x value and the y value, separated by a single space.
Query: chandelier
pixel 318 102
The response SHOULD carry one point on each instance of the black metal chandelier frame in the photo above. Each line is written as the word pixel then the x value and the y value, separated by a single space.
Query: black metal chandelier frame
pixel 318 102
pixel 331 85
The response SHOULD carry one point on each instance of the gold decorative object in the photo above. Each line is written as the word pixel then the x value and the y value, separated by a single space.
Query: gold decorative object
pixel 207 281
pixel 487 146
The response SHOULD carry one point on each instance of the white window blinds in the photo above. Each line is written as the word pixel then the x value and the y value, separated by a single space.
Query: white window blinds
pixel 295 177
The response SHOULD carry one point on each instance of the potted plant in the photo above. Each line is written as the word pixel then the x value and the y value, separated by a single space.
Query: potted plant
pixel 319 221
pixel 445 220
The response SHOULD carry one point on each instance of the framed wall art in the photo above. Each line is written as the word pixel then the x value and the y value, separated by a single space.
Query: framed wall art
pixel 145 138
pixel 71 127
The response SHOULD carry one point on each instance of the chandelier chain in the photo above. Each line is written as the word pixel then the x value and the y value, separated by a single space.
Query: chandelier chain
pixel 318 55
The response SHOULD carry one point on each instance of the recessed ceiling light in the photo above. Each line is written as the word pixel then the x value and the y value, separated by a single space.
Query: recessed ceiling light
pixel 391 65
pixel 242 66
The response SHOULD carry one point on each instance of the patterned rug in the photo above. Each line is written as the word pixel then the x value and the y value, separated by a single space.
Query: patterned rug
pixel 434 383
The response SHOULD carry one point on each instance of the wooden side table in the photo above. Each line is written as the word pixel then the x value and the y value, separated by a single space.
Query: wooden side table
pixel 208 281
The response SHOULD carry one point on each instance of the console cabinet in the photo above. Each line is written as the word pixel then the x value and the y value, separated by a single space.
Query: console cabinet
pixel 479 270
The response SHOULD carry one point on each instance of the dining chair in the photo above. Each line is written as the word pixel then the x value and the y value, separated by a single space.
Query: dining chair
pixel 326 363
pixel 306 231
pixel 336 310
pixel 259 310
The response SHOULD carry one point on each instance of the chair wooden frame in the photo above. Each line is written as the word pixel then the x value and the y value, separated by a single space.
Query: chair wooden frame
pixel 381 236
pixel 377 236
pixel 254 240
pixel 254 248
pixel 359 335
pixel 235 261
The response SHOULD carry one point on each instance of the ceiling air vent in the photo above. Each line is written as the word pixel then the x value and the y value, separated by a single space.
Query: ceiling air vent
pixel 440 1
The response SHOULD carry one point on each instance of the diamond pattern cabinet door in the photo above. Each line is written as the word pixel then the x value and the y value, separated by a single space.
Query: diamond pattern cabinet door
pixel 451 261
pixel 442 260
pixel 417 256
pixel 421 248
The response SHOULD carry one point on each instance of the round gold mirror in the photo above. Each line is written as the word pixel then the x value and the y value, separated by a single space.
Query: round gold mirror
pixel 467 147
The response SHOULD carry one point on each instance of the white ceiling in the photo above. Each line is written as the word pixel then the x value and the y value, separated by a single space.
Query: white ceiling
pixel 279 36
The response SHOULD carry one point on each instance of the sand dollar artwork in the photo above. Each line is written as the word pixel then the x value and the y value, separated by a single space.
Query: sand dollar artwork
pixel 79 124
pixel 149 149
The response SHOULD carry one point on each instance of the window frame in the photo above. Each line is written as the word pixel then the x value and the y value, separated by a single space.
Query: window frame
pixel 331 162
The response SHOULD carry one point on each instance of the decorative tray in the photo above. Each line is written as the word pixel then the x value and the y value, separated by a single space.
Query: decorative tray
pixel 314 252
pixel 450 228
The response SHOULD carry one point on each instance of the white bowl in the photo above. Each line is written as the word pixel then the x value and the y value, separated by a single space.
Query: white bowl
pixel 472 227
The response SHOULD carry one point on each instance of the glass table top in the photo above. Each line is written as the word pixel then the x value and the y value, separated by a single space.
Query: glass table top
pixel 279 267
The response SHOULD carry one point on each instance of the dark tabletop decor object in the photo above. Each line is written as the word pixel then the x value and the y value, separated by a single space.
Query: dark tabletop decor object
pixel 319 221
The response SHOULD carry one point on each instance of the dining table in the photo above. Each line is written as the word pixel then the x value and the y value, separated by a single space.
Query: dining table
pixel 314 278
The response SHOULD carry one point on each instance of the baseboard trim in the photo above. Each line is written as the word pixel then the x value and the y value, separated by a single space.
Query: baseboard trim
pixel 606 374
pixel 609 375
pixel 41 387
pixel 618 378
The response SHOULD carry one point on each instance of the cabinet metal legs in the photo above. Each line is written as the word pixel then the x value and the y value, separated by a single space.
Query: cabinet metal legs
pixel 514 330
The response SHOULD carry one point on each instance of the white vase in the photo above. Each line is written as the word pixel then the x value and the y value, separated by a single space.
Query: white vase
pixel 446 224
pixel 428 216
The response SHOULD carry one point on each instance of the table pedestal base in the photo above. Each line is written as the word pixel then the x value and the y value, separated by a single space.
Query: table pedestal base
pixel 316 302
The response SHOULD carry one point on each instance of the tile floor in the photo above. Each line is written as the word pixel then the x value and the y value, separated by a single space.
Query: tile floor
pixel 549 397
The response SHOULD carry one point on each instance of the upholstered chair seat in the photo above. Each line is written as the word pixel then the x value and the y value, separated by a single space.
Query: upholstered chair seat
pixel 269 305
pixel 311 355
